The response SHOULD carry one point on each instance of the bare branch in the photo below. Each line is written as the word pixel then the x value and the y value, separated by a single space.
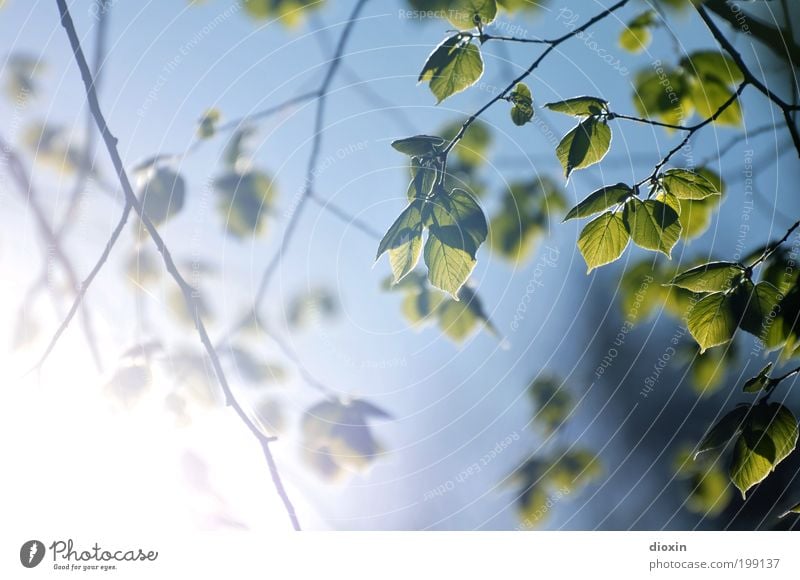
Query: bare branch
pixel 28 192
pixel 111 145
pixel 551 46
pixel 750 78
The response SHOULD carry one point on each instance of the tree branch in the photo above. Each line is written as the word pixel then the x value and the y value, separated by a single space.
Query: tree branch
pixel 750 78
pixel 111 145
pixel 26 189
pixel 551 46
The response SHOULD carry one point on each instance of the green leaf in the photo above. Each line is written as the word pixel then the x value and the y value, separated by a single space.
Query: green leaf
pixel 652 224
pixel 553 403
pixel 288 12
pixel 163 194
pixel 685 184
pixel 457 228
pixel 712 321
pixel 459 319
pixel 579 106
pixel 714 64
pixel 522 100
pixel 419 145
pixel 795 509
pixel 423 178
pixel 759 382
pixel 586 144
pixel 636 36
pixel 245 199
pixel 466 14
pixel 453 66
pixel 600 200
pixel 403 241
pixel 768 437
pixel 760 304
pixel 603 240
pixel 207 126
pixel 652 99
pixel 710 277
pixel 709 95
pixel 471 149
pixel 724 430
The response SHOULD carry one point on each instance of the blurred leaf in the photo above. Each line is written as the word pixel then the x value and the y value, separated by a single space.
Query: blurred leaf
pixel 162 194
pixel 472 148
pixel 636 35
pixel 244 201
pixel 288 12
pixel 337 437
pixel 207 126
pixel 312 306
pixel 553 403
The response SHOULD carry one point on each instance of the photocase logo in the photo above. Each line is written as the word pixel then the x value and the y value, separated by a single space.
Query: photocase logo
pixel 31 553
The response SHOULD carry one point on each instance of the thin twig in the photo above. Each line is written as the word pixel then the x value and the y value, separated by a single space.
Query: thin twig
pixel 534 65
pixel 691 131
pixel 316 147
pixel 26 189
pixel 749 77
pixel 119 167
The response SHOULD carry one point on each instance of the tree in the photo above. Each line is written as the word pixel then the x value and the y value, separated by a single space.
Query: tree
pixel 450 224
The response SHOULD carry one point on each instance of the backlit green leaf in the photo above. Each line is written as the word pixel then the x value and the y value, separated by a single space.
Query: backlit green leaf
pixel 586 144
pixel 466 14
pixel 652 224
pixel 768 437
pixel 579 106
pixel 636 36
pixel 457 228
pixel 603 240
pixel 759 382
pixel 403 241
pixel 710 277
pixel 724 430
pixel 453 66
pixel 712 321
pixel 419 145
pixel 685 184
pixel 600 200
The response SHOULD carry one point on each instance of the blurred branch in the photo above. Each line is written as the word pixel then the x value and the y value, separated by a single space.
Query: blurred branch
pixel 30 196
pixel 750 78
pixel 305 195
pixel 370 96
pixel 111 145
pixel 777 39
